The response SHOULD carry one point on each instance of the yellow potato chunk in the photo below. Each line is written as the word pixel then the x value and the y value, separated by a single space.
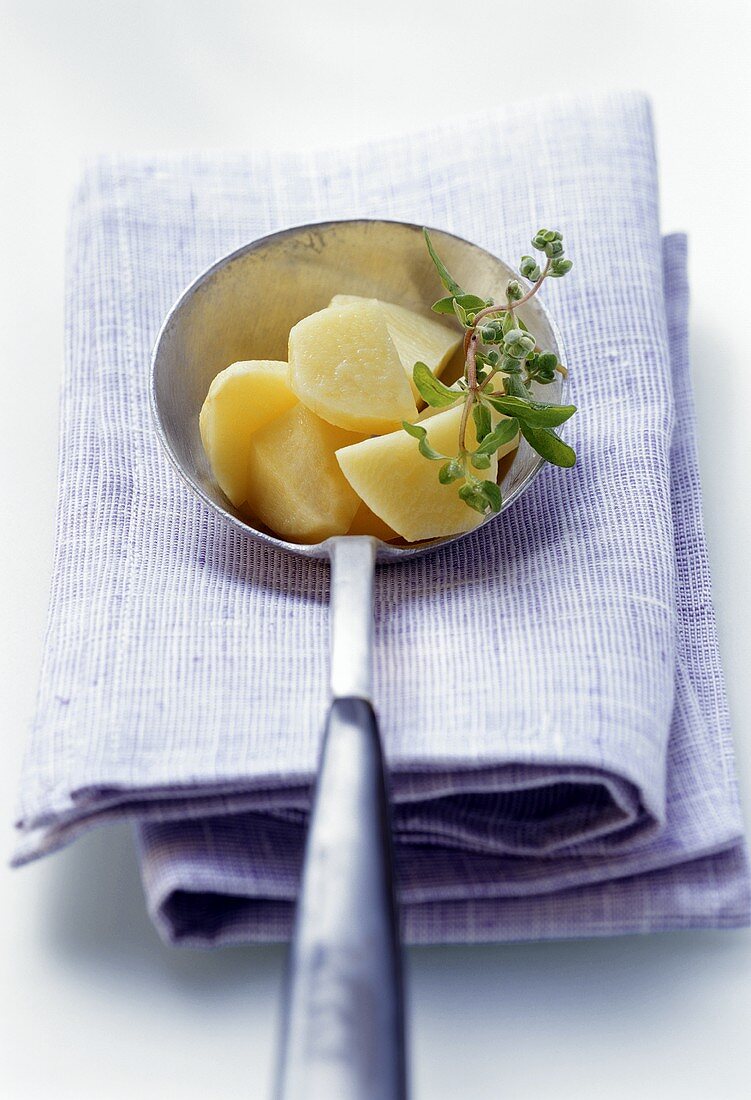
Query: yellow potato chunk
pixel 401 486
pixel 295 485
pixel 368 523
pixel 241 399
pixel 345 368
pixel 416 338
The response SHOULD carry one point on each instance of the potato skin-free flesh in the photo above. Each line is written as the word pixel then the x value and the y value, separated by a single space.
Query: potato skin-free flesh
pixel 241 399
pixel 307 469
pixel 296 487
pixel 401 486
pixel 345 368
pixel 368 523
pixel 416 338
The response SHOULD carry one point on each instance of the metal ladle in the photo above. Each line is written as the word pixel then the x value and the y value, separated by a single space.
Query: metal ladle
pixel 343 1029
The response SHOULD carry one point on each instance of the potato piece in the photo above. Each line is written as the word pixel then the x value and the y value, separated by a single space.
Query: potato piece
pixel 241 399
pixel 416 338
pixel 368 523
pixel 295 485
pixel 345 368
pixel 402 488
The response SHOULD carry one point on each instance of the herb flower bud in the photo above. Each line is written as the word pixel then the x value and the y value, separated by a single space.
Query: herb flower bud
pixel 514 291
pixel 491 332
pixel 530 268
pixel 560 266
pixel 518 343
pixel 547 360
pixel 509 365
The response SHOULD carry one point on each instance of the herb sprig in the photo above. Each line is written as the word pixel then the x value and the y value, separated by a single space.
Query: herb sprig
pixel 496 342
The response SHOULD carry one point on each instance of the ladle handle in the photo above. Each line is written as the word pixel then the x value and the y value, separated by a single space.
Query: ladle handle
pixel 343 1028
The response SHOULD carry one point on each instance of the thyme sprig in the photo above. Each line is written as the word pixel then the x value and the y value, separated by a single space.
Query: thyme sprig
pixel 496 343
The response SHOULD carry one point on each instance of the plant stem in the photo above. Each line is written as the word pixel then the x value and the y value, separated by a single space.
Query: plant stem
pixel 471 365
pixel 470 348
pixel 491 376
pixel 511 306
pixel 470 368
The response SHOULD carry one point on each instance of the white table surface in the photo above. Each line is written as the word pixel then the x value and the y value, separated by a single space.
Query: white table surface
pixel 91 1003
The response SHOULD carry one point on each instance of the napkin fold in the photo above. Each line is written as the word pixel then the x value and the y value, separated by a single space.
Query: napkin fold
pixel 572 773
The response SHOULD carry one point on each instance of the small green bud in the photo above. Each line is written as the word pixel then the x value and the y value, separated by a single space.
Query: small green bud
pixel 553 249
pixel 514 291
pixel 547 360
pixel 480 462
pixel 518 343
pixel 560 267
pixel 530 268
pixel 491 332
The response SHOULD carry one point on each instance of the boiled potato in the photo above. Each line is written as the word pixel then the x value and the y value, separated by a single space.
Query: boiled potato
pixel 241 399
pixel 401 486
pixel 368 523
pixel 416 338
pixel 295 485
pixel 345 368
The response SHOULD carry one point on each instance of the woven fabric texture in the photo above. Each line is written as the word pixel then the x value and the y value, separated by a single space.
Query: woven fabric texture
pixel 579 783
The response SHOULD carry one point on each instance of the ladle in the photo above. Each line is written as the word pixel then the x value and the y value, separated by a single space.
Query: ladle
pixel 343 1029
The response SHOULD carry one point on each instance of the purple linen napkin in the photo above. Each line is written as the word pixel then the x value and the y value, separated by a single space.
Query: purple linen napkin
pixel 582 782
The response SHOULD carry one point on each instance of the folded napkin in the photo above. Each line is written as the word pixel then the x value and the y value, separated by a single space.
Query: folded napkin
pixel 572 773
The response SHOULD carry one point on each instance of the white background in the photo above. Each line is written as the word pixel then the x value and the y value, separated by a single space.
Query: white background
pixel 91 1004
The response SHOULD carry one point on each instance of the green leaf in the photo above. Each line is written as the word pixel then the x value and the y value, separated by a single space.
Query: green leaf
pixel 466 301
pixel 492 495
pixel 460 312
pixel 516 388
pixel 419 433
pixel 444 305
pixel 538 414
pixel 549 445
pixel 481 417
pixel 451 471
pixel 480 461
pixel 471 301
pixel 431 390
pixel 472 494
pixel 504 433
pixel 446 278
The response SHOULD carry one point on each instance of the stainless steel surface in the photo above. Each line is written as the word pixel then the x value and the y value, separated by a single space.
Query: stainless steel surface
pixel 343 1024
pixel 352 568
